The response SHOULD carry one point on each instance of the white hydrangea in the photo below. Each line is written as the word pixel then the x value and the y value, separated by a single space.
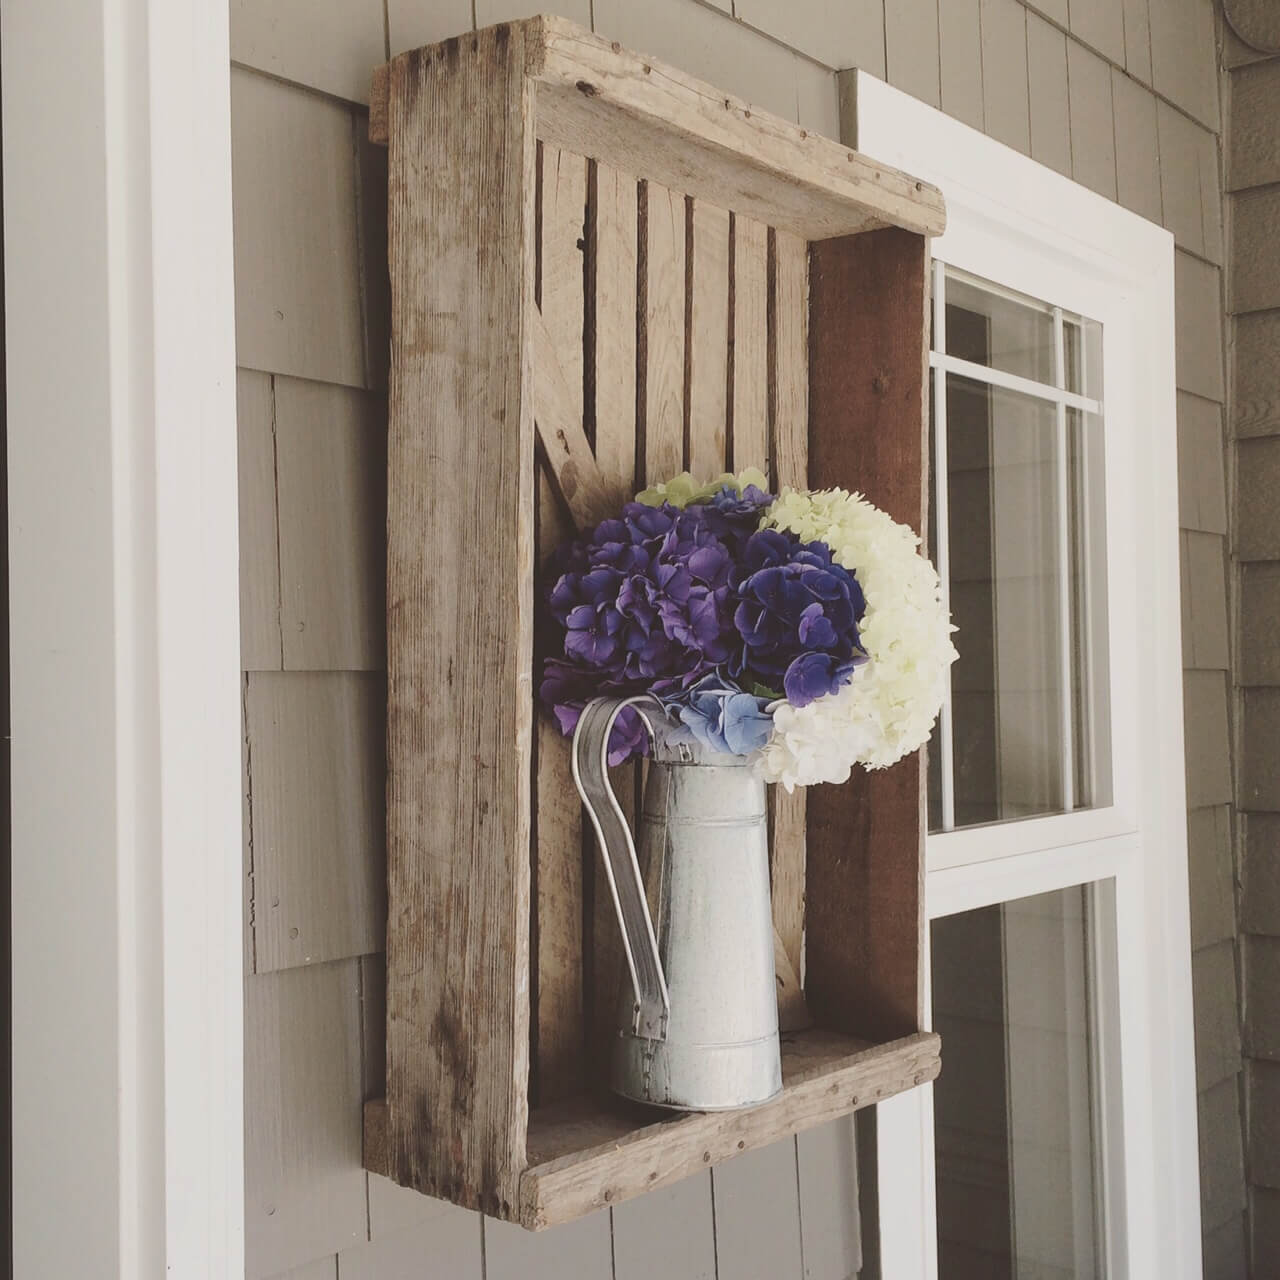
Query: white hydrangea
pixel 887 710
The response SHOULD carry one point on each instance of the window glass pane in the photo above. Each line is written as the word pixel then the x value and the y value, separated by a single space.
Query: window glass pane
pixel 999 330
pixel 1025 730
pixel 1015 1114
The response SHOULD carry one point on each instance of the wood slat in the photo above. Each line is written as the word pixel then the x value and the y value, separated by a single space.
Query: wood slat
pixel 447 1246
pixel 331 469
pixel 613 379
pixel 315 777
pixel 583 1248
pixel 460 712
pixel 708 339
pixel 304 1185
pixel 669 1232
pixel 599 99
pixel 749 446
pixel 570 466
pixel 867 431
pixel 558 990
pixel 583 1156
pixel 662 334
pixel 789 450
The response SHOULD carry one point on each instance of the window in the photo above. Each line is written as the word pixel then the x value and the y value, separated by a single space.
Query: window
pixel 1051 1145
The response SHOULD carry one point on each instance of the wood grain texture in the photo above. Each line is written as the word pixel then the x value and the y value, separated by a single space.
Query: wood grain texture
pixel 584 1156
pixel 749 442
pixel 614 240
pixel 662 332
pixel 558 862
pixel 260 644
pixel 789 450
pixel 316 777
pixel 867 430
pixel 708 339
pixel 331 464
pixel 758 1213
pixel 461 203
pixel 598 99
pixel 304 1185
pixel 570 465
pixel 297 258
pixel 613 379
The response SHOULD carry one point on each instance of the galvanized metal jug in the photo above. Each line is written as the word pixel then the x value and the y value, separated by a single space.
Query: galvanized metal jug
pixel 698 1015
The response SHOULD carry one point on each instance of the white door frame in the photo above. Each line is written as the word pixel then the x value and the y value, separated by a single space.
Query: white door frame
pixel 124 640
pixel 1007 217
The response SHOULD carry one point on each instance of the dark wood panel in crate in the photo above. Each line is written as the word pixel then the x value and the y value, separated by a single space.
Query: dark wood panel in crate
pixel 868 354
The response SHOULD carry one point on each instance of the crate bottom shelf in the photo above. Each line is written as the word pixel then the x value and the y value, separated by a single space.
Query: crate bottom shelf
pixel 589 1152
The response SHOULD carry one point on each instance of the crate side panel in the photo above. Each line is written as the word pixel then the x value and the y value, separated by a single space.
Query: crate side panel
pixel 867 432
pixel 460 472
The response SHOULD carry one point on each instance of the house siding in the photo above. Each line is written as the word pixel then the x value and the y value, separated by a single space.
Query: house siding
pixel 1122 97
pixel 1253 210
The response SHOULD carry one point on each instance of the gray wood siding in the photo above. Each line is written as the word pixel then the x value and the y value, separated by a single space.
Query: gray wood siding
pixel 1252 148
pixel 1123 95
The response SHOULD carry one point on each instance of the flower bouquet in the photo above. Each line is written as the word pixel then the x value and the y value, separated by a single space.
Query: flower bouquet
pixel 804 631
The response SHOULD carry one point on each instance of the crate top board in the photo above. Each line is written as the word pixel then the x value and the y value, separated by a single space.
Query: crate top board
pixel 591 96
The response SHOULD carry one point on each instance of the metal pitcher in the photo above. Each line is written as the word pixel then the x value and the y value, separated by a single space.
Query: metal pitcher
pixel 698 1013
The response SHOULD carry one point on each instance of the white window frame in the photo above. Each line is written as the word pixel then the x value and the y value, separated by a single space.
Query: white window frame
pixel 127 1118
pixel 1023 226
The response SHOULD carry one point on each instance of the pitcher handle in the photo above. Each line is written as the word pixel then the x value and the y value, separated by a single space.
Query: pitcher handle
pixel 621 866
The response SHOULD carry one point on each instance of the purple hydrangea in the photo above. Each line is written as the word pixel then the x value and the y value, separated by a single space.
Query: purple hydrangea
pixel 798 616
pixel 646 605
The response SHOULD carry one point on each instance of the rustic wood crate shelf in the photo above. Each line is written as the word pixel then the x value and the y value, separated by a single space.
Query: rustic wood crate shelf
pixel 602 272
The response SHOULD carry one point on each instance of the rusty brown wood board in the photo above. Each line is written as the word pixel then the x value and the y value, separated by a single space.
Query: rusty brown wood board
pixel 602 272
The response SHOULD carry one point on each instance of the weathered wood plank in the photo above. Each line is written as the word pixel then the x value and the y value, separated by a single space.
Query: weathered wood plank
pixel 867 429
pixel 662 333
pixel 315 763
pixel 558 877
pixel 614 376
pixel 613 380
pixel 331 463
pixel 758 1213
pixel 708 339
pixel 571 468
pixel 304 1184
pixel 462 259
pixel 694 138
pixel 789 430
pixel 297 259
pixel 260 645
pixel 749 440
pixel 583 1156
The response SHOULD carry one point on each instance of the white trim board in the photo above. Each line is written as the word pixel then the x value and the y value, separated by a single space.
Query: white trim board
pixel 1016 222
pixel 124 604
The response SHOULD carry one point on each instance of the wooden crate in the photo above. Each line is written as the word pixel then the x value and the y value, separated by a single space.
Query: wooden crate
pixel 604 271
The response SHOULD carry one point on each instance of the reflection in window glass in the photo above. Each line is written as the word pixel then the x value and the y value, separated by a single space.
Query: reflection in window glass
pixel 1024 526
pixel 1018 1188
